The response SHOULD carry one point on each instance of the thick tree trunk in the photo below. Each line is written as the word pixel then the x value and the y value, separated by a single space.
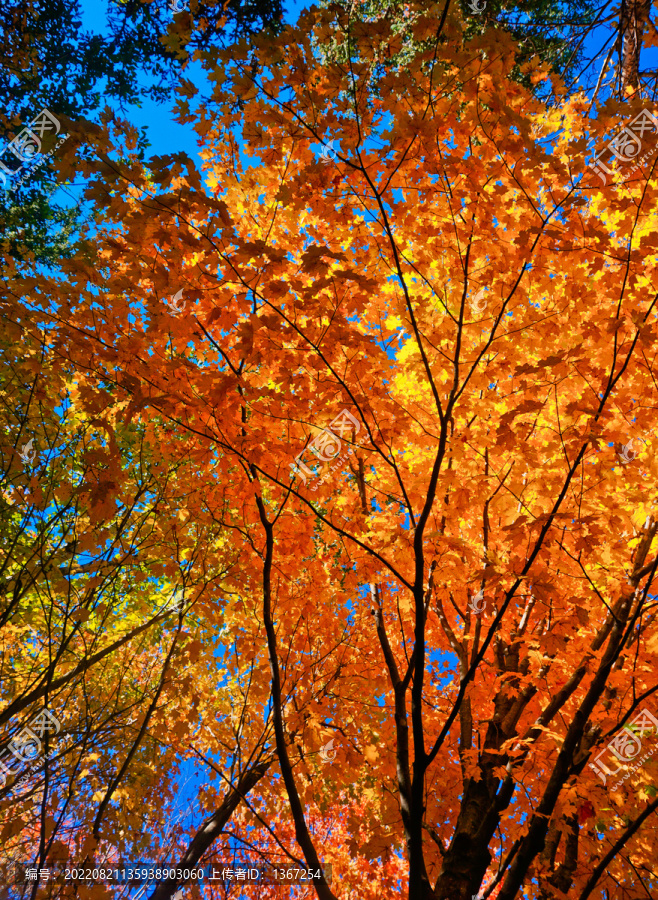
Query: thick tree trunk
pixel 468 857
pixel 633 20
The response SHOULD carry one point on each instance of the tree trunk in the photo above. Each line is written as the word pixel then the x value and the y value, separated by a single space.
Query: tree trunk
pixel 633 20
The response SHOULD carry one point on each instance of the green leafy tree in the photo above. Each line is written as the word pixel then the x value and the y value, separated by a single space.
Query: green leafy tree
pixel 48 59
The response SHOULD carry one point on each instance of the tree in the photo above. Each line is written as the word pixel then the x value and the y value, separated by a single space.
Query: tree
pixel 464 610
pixel 554 32
pixel 93 634
pixel 48 59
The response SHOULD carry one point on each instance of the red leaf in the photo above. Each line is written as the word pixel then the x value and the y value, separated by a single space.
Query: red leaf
pixel 585 812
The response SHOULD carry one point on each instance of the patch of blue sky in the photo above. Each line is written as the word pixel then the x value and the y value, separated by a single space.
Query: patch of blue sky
pixel 165 134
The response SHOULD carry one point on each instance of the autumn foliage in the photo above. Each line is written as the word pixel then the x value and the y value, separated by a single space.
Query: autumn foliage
pixel 463 607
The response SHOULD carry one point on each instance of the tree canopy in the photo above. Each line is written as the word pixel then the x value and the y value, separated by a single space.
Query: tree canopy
pixel 339 490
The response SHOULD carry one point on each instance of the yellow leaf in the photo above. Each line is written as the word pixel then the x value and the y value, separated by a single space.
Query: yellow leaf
pixel 370 753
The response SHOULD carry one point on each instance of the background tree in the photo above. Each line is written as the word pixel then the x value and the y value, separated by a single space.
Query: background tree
pixel 553 32
pixel 48 59
pixel 105 595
